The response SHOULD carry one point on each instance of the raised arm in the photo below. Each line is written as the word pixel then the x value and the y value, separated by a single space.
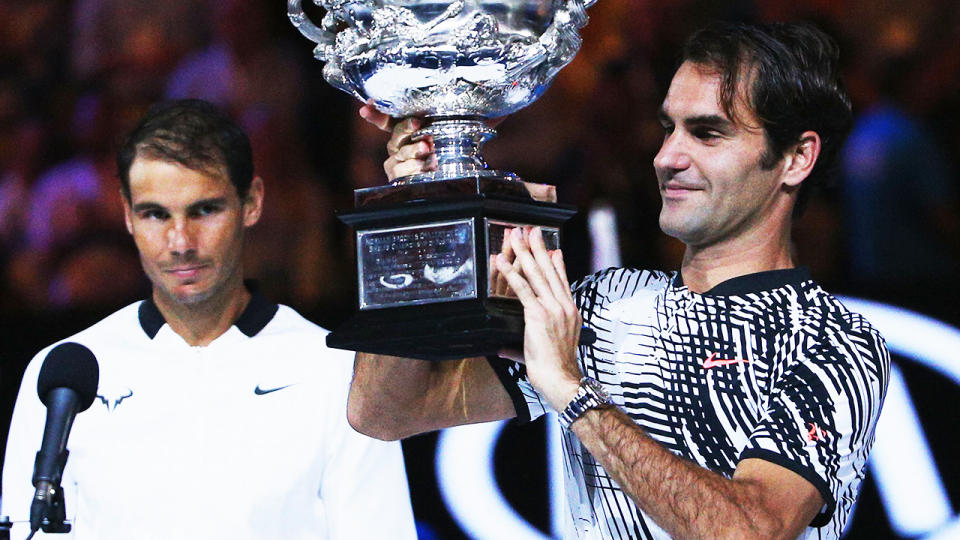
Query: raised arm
pixel 393 398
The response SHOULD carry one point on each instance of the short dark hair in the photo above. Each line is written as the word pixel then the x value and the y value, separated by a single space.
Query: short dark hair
pixel 796 87
pixel 193 133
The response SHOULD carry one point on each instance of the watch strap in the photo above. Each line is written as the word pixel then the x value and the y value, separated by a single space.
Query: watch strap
pixel 590 395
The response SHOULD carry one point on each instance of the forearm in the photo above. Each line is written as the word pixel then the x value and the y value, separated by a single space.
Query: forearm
pixel 687 500
pixel 392 398
pixel 387 395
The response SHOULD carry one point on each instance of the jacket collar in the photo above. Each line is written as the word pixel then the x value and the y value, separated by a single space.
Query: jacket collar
pixel 255 316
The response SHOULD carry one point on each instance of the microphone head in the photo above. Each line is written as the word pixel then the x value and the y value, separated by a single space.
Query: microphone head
pixel 70 365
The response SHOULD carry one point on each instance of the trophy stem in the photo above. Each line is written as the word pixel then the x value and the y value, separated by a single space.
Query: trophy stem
pixel 457 142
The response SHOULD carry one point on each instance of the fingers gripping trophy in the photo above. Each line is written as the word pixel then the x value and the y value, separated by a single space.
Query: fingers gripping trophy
pixel 426 285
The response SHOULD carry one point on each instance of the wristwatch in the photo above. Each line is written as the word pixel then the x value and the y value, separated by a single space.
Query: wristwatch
pixel 590 395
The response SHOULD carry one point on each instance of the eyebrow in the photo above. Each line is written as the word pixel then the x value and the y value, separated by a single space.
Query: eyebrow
pixel 704 120
pixel 144 206
pixel 709 120
pixel 214 201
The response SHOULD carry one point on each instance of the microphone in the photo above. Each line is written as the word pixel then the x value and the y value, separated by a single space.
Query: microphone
pixel 67 385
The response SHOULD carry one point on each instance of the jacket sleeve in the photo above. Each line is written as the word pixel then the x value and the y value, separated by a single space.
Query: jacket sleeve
pixel 364 485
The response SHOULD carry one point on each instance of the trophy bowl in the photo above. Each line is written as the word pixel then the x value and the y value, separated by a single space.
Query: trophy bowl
pixel 426 286
pixel 454 63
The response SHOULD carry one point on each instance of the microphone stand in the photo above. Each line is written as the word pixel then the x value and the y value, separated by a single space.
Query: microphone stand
pixel 48 511
pixel 5 525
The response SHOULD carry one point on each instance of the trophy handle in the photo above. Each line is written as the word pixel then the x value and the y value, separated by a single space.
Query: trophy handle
pixel 325 40
pixel 563 36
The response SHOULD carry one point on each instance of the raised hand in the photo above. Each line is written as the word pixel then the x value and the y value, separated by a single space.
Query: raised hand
pixel 406 156
pixel 551 319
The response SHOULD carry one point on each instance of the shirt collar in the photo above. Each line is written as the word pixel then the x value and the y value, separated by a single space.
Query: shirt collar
pixel 754 283
pixel 255 316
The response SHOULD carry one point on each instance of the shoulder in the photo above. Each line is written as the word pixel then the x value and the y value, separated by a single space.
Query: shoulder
pixel 118 328
pixel 288 321
pixel 121 325
pixel 834 317
pixel 125 318
pixel 293 338
pixel 841 333
pixel 619 283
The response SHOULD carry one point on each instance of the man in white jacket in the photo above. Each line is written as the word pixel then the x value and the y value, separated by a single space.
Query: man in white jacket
pixel 219 414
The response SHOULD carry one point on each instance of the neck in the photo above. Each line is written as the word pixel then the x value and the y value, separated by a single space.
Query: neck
pixel 761 249
pixel 201 323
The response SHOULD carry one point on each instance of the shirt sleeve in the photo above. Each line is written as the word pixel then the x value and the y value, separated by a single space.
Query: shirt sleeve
pixel 364 486
pixel 526 400
pixel 821 414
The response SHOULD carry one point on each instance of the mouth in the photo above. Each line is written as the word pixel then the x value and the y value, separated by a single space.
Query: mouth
pixel 677 189
pixel 186 272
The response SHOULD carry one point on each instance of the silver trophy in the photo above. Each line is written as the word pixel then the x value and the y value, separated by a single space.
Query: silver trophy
pixel 426 287
pixel 454 63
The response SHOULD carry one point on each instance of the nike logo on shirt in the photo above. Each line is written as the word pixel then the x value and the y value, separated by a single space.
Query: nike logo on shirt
pixel 261 391
pixel 712 361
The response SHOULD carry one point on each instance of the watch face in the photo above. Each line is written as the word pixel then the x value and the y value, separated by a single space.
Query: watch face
pixel 596 388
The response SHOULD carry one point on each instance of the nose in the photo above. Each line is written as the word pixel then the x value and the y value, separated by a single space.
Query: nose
pixel 673 156
pixel 180 238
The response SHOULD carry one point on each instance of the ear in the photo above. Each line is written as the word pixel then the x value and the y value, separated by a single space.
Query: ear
pixel 127 212
pixel 253 204
pixel 799 161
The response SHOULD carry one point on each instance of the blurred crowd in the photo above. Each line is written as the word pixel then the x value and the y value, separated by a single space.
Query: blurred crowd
pixel 75 75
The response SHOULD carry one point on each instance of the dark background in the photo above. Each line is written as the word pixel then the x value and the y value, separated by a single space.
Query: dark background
pixel 75 75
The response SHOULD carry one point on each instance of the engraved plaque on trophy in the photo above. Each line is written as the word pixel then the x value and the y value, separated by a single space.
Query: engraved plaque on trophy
pixel 424 242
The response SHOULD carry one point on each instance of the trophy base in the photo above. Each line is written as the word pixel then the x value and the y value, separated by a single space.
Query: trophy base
pixel 447 331
pixel 426 286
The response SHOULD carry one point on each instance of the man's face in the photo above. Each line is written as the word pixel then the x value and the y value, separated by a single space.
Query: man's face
pixel 188 227
pixel 709 169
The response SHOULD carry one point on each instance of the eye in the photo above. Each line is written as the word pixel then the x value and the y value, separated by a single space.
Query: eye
pixel 206 210
pixel 154 214
pixel 706 134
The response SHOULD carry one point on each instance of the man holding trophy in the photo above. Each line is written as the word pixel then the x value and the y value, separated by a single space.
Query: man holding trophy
pixel 734 398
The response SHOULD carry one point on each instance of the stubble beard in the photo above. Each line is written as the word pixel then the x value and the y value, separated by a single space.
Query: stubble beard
pixel 686 226
pixel 212 296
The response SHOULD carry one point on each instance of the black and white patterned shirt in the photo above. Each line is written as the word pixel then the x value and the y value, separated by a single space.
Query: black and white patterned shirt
pixel 767 366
